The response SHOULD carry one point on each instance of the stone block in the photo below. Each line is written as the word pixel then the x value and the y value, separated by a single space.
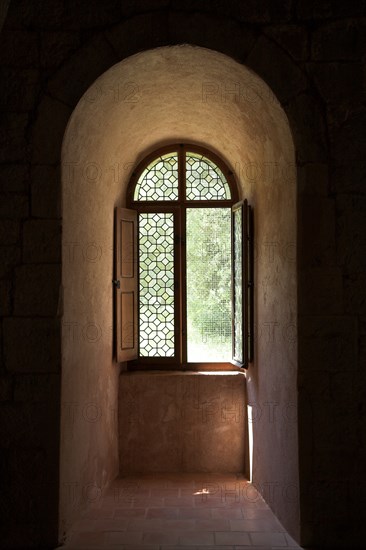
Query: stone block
pixel 313 179
pixel 250 11
pixel 313 9
pixel 48 131
pixel 350 178
pixel 56 46
pixel 338 82
pixel 37 387
pixel 37 290
pixel 344 39
pixel 80 71
pixel 350 232
pixel 19 48
pixel 277 69
pixel 307 123
pixel 10 257
pixel 23 14
pixel 28 424
pixel 136 34
pixel 45 191
pixel 320 291
pixel 32 345
pixel 5 297
pixel 13 178
pixel 97 14
pixel 42 241
pixel 13 144
pixel 355 292
pixel 6 387
pixel 347 137
pixel 132 7
pixel 13 206
pixel 317 239
pixel 19 88
pixel 261 11
pixel 327 343
pixel 292 38
pixel 334 428
pixel 9 232
pixel 362 324
pixel 210 31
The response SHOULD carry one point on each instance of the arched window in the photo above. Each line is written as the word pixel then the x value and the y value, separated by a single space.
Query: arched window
pixel 183 265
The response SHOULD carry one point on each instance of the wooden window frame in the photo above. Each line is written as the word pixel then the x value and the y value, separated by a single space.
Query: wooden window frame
pixel 178 208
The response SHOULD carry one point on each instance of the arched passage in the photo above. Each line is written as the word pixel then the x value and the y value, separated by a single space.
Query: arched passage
pixel 148 100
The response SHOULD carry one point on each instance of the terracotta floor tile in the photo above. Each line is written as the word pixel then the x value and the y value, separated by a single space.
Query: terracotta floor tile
pixel 270 539
pixel 123 537
pixel 227 513
pixel 241 539
pixel 100 525
pixel 87 540
pixel 167 513
pixel 194 513
pixel 149 502
pixel 103 513
pixel 199 539
pixel 165 492
pixel 256 513
pixel 145 525
pixel 255 525
pixel 212 525
pixel 129 513
pixel 179 524
pixel 159 512
pixel 181 502
pixel 203 502
pixel 160 538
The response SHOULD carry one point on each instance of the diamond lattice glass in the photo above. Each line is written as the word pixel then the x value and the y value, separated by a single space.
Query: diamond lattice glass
pixel 159 181
pixel 156 250
pixel 204 180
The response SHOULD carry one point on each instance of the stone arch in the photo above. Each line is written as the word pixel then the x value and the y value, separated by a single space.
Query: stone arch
pixel 209 99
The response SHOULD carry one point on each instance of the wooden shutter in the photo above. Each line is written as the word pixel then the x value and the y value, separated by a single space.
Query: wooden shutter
pixel 242 284
pixel 126 279
pixel 250 284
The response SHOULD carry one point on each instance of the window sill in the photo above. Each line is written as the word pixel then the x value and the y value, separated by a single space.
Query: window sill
pixel 156 372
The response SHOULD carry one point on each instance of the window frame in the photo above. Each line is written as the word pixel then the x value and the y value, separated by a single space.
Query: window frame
pixel 178 207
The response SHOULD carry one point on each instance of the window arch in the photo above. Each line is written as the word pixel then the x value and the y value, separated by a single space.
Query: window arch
pixel 183 264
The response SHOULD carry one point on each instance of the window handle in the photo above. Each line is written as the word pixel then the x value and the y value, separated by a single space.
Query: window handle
pixel 116 282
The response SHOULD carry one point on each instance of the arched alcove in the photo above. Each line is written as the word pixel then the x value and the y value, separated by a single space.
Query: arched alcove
pixel 173 94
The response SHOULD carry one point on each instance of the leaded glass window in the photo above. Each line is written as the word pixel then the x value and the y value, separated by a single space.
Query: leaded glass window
pixel 204 180
pixel 159 181
pixel 156 270
pixel 191 277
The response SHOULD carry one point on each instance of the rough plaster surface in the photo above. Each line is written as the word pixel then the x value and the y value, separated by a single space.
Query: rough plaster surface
pixel 190 422
pixel 160 96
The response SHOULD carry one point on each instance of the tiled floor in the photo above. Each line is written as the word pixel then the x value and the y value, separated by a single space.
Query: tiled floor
pixel 185 511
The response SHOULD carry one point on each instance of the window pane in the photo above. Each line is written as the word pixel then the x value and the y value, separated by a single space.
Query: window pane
pixel 156 252
pixel 238 285
pixel 159 181
pixel 209 284
pixel 204 180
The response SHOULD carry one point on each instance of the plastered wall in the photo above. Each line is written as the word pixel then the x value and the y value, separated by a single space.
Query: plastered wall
pixel 156 97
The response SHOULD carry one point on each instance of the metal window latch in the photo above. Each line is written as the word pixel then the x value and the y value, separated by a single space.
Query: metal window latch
pixel 116 282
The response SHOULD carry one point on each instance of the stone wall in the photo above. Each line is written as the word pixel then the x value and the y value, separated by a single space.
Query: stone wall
pixel 312 56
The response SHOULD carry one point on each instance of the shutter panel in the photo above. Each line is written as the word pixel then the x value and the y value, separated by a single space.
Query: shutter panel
pixel 126 279
pixel 250 307
pixel 242 287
